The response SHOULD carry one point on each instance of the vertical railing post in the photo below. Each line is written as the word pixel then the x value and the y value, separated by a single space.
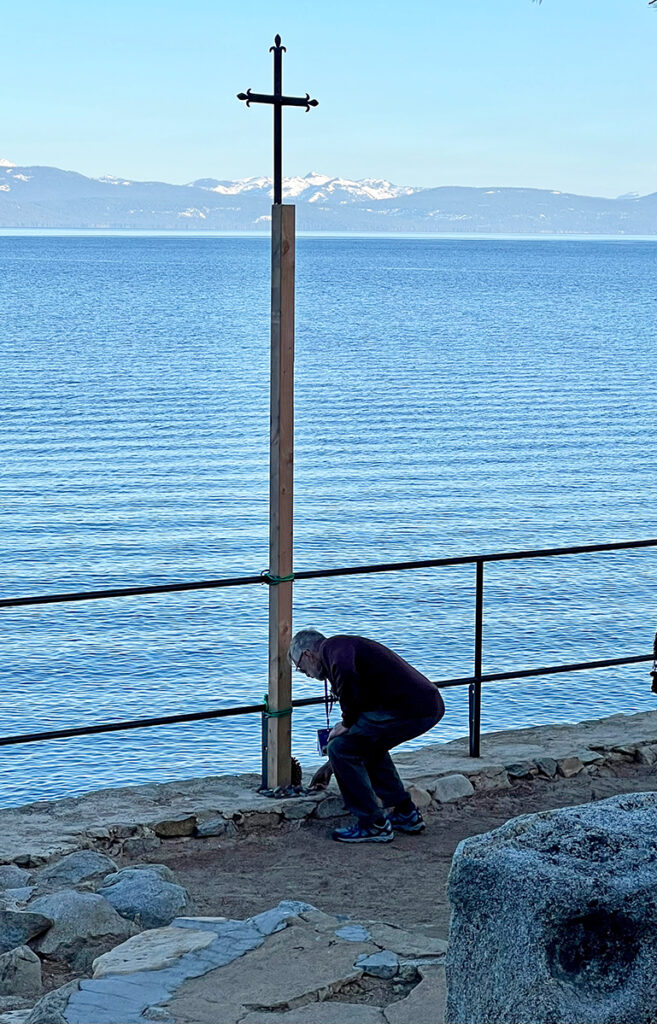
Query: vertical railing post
pixel 474 694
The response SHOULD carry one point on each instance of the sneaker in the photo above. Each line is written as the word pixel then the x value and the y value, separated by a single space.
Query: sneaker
pixel 410 823
pixel 359 833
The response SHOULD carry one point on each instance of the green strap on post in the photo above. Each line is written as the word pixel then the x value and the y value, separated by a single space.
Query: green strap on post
pixel 268 713
pixel 268 577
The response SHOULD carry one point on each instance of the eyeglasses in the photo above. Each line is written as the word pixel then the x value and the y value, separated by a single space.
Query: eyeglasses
pixel 297 664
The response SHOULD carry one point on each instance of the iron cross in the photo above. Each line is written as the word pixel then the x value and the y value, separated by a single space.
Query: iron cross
pixel 278 100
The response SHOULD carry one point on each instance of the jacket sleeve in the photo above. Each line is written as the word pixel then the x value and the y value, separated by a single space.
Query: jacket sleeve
pixel 344 681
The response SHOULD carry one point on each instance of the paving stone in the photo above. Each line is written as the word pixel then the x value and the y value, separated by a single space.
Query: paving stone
pixel 425 1004
pixel 405 942
pixel 297 964
pixel 568 766
pixel 353 933
pixel 332 1012
pixel 151 950
pixel 383 964
pixel 20 973
pixel 275 920
pixel 452 787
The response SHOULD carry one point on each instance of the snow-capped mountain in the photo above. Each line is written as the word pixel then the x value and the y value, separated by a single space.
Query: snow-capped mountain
pixel 46 197
pixel 312 188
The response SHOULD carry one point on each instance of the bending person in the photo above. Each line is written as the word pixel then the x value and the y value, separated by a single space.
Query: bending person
pixel 384 702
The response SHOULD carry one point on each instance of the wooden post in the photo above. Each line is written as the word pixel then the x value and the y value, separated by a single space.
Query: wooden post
pixel 281 492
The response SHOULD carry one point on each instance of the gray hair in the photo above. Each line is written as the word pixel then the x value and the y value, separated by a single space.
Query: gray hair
pixel 305 640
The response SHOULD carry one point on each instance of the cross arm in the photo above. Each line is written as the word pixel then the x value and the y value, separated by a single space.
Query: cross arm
pixel 285 101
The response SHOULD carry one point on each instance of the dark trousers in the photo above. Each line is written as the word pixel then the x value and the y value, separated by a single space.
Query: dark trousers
pixel 363 768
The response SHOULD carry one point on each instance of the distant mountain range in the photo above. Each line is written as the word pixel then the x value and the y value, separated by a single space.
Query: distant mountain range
pixel 46 197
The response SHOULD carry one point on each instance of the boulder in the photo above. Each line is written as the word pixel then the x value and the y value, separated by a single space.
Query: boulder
pixel 554 918
pixel 85 925
pixel 13 877
pixel 75 867
pixel 452 787
pixel 145 896
pixel 174 828
pixel 50 1008
pixel 20 973
pixel 420 797
pixel 18 926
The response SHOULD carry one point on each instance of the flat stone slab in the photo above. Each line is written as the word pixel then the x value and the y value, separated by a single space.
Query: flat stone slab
pixel 332 1012
pixel 151 951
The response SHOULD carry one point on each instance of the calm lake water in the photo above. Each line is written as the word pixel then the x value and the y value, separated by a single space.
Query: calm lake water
pixel 453 396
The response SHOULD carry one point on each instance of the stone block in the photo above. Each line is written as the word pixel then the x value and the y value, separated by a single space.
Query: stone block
pixel 554 918
pixel 569 766
pixel 260 819
pixel 174 828
pixel 141 846
pixel 494 777
pixel 521 769
pixel 20 973
pixel 420 797
pixel 646 755
pixel 590 756
pixel 330 807
pixel 296 809
pixel 547 766
pixel 216 826
pixel 452 787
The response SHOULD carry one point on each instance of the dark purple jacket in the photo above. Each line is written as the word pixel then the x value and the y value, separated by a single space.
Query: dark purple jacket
pixel 366 676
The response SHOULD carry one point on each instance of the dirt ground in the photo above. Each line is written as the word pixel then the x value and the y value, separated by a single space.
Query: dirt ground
pixel 403 882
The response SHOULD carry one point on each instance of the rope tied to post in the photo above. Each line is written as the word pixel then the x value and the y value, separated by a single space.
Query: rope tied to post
pixel 268 713
pixel 273 580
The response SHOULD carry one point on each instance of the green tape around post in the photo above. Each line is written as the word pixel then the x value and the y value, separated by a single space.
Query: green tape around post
pixel 268 577
pixel 268 713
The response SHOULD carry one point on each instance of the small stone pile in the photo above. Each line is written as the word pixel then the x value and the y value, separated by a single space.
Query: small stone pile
pixel 69 912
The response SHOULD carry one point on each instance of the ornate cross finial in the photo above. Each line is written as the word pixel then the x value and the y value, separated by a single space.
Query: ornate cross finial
pixel 278 100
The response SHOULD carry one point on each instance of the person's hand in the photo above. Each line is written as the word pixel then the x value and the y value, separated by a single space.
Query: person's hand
pixel 338 730
pixel 322 777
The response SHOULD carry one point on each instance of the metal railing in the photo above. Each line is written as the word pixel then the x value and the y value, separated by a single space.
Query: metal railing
pixel 474 682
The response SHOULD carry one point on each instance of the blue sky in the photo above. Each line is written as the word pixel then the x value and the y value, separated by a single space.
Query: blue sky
pixel 437 92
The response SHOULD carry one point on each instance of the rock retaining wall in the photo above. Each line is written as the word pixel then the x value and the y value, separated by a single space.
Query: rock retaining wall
pixel 136 819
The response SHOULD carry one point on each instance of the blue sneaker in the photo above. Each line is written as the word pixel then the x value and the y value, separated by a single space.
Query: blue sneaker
pixel 359 833
pixel 409 823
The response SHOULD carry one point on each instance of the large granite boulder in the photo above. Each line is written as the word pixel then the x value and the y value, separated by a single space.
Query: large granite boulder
pixel 554 918
pixel 80 866
pixel 147 895
pixel 17 927
pixel 85 925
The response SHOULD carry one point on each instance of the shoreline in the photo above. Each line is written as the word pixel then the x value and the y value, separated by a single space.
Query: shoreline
pixel 34 833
